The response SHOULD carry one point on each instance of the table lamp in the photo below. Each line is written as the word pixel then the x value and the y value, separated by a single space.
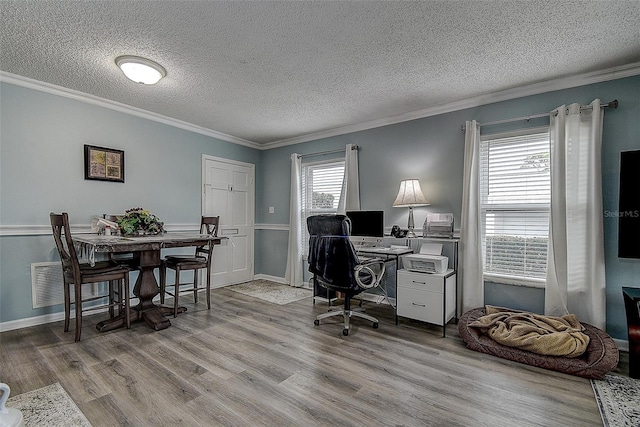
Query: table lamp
pixel 409 196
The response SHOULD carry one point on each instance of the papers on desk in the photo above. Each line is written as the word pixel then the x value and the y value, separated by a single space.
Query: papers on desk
pixel 431 248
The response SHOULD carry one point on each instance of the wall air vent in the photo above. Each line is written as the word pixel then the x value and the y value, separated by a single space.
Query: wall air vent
pixel 46 285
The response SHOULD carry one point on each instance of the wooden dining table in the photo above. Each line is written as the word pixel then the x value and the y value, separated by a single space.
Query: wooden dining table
pixel 147 257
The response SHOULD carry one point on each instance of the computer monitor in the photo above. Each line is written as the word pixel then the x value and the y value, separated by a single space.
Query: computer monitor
pixel 367 227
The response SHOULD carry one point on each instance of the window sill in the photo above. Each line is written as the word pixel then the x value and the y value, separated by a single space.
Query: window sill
pixel 515 281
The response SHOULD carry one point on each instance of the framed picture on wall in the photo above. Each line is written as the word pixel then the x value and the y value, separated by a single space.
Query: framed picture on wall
pixel 104 164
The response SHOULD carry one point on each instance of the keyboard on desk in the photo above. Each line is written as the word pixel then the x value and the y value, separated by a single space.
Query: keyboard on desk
pixel 372 249
pixel 381 250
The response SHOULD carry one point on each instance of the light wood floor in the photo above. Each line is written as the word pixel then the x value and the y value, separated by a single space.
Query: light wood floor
pixel 247 362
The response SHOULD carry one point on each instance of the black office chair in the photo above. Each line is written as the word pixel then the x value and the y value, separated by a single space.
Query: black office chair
pixel 336 266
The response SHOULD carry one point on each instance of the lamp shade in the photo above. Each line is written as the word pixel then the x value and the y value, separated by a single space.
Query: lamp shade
pixel 410 194
pixel 140 70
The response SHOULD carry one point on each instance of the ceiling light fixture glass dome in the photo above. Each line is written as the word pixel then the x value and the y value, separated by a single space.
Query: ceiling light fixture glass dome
pixel 140 70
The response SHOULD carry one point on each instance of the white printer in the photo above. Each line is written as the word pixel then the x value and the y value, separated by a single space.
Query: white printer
pixel 428 260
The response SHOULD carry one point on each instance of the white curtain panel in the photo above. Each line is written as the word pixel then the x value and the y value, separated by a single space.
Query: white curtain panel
pixel 293 273
pixel 575 264
pixel 470 227
pixel 350 194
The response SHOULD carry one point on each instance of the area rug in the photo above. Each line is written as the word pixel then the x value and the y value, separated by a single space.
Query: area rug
pixel 271 291
pixel 48 406
pixel 618 399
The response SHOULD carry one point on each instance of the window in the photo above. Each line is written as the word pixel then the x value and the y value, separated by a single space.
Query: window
pixel 515 188
pixel 321 189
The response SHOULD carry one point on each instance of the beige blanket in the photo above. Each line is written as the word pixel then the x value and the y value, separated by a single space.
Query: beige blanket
pixel 550 335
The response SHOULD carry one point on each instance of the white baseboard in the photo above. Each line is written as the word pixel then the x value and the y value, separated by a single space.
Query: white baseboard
pixel 41 320
pixel 623 345
pixel 52 317
pixel 32 321
pixel 270 278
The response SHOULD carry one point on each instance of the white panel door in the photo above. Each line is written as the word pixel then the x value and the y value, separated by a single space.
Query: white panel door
pixel 229 193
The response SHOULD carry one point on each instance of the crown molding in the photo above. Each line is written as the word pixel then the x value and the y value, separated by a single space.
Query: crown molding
pixel 568 82
pixel 122 108
pixel 607 74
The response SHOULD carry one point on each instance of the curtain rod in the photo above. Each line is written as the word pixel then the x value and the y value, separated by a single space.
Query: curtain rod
pixel 612 104
pixel 322 153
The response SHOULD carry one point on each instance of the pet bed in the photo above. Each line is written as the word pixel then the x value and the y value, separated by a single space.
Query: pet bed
pixel 600 357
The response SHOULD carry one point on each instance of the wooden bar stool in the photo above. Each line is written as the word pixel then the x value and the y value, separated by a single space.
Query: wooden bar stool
pixel 76 274
pixel 201 260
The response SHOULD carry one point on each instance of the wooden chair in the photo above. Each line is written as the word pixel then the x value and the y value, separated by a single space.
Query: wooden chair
pixel 76 274
pixel 179 263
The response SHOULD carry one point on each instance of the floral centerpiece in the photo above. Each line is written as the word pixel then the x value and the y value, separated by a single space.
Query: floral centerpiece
pixel 139 221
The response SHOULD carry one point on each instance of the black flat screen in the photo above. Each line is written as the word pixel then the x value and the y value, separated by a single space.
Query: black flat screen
pixel 367 223
pixel 629 209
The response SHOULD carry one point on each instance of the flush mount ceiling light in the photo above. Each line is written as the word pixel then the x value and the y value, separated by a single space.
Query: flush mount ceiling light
pixel 140 70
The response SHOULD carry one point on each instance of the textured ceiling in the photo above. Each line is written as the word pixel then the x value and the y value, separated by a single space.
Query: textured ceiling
pixel 267 71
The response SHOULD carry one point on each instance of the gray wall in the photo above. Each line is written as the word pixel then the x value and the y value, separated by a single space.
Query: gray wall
pixel 432 150
pixel 41 158
pixel 42 136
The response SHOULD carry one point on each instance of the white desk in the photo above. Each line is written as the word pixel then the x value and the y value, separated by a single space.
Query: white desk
pixel 428 297
pixel 387 254
pixel 379 250
pixel 415 242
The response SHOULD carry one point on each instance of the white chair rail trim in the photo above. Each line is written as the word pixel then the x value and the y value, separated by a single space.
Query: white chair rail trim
pixel 43 230
pixel 277 227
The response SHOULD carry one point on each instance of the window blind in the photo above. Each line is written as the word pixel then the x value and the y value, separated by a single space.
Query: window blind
pixel 515 190
pixel 321 190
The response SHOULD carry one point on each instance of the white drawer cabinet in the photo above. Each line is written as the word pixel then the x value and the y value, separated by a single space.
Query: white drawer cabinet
pixel 427 297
